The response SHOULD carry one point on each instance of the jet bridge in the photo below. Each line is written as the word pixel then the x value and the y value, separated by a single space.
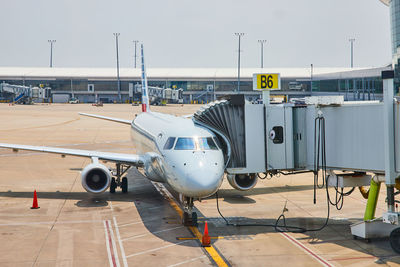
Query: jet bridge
pixel 24 94
pixel 346 140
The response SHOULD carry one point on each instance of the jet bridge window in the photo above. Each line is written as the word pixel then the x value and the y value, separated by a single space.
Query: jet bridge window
pixel 170 143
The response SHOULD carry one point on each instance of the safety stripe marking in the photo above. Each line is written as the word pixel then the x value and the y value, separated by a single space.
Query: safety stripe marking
pixel 121 247
pixel 212 252
pixel 307 250
pixel 110 246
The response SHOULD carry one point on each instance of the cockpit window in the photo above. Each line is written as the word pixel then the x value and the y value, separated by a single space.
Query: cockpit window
pixel 201 143
pixel 185 143
pixel 207 143
pixel 170 143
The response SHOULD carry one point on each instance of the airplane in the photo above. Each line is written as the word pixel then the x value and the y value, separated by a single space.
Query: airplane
pixel 171 150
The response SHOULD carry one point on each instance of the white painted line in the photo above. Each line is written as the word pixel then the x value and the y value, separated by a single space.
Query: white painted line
pixel 156 232
pixel 157 207
pixel 155 249
pixel 111 206
pixel 183 262
pixel 137 222
pixel 120 243
pixel 57 222
pixel 109 225
pixel 321 260
pixel 160 188
pixel 110 258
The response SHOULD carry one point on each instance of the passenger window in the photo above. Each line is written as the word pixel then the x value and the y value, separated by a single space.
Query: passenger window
pixel 170 143
pixel 185 143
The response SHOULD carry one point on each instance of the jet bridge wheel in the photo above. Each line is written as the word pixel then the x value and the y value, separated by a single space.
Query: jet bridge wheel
pixel 113 185
pixel 124 185
pixel 394 239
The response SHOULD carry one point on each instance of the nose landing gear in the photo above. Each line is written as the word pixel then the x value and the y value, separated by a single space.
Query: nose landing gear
pixel 189 216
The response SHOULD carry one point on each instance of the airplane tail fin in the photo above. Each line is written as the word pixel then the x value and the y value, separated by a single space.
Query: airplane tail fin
pixel 145 90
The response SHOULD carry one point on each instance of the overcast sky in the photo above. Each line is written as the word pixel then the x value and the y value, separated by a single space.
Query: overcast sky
pixel 187 33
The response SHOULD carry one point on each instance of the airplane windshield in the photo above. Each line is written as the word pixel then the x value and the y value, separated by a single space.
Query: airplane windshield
pixel 201 143
pixel 170 143
pixel 207 144
pixel 185 143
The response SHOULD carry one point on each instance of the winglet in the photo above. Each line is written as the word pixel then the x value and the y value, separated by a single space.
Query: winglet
pixel 145 91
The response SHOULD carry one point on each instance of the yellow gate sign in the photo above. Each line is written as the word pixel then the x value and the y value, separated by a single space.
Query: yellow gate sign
pixel 266 81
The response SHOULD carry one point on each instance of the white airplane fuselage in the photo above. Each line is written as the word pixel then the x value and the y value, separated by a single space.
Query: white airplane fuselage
pixel 189 163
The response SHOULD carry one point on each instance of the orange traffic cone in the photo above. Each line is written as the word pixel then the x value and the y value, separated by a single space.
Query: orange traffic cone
pixel 35 202
pixel 206 240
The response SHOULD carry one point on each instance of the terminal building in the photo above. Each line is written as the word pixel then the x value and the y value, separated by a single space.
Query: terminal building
pixel 205 84
pixel 198 84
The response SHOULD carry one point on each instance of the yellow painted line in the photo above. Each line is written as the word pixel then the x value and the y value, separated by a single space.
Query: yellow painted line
pixel 210 250
pixel 193 238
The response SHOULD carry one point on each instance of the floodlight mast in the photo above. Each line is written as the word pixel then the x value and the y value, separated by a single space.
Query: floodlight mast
pixel 116 34
pixel 262 42
pixel 51 52
pixel 239 35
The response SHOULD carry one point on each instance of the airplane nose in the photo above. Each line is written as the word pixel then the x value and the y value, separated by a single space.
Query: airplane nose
pixel 203 183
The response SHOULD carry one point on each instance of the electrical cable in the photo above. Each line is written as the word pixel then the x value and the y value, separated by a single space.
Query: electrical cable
pixel 264 177
pixel 319 142
pixel 288 228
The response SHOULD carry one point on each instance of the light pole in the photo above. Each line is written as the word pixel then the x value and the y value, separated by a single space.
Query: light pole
pixel 116 34
pixel 352 40
pixel 239 35
pixel 51 52
pixel 262 42
pixel 311 71
pixel 135 42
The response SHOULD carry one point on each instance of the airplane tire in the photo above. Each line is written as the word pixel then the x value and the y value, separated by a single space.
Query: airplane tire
pixel 124 185
pixel 113 185
pixel 185 219
pixel 394 239
pixel 194 219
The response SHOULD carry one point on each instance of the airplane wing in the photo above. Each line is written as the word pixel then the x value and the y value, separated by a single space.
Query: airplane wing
pixel 130 159
pixel 106 118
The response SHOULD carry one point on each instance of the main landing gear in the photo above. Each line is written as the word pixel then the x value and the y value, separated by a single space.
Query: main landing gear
pixel 117 181
pixel 189 217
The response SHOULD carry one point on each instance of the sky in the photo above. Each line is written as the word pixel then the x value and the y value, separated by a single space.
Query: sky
pixel 195 34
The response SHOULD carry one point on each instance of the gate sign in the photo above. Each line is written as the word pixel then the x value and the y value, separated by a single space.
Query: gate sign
pixel 266 81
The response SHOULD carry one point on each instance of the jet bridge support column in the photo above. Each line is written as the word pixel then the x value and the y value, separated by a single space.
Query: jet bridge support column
pixel 388 125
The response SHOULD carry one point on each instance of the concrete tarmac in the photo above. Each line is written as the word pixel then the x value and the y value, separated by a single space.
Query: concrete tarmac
pixel 142 228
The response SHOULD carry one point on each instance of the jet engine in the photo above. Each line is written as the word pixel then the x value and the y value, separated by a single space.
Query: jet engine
pixel 242 182
pixel 96 178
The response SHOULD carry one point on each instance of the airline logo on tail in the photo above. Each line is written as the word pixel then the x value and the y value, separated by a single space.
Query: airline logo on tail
pixel 145 91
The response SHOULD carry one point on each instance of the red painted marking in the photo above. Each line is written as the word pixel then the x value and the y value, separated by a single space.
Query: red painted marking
pixel 110 245
pixel 306 249
pixel 143 107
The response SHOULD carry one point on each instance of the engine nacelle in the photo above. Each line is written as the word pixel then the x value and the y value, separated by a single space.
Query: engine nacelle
pixel 242 182
pixel 96 178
